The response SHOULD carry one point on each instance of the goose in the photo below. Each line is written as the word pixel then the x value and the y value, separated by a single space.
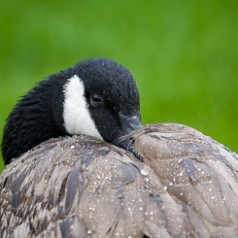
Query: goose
pixel 167 180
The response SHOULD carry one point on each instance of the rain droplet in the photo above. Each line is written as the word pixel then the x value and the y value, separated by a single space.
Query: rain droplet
pixel 165 187
pixel 147 180
pixel 143 172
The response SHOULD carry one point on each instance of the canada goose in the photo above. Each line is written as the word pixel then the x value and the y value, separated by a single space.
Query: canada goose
pixel 186 186
pixel 96 97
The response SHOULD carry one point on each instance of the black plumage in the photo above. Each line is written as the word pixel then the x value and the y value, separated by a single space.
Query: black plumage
pixel 38 116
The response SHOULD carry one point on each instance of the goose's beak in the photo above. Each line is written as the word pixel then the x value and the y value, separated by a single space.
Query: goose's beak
pixel 129 124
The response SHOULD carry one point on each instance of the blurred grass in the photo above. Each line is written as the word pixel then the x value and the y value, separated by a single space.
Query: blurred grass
pixel 183 54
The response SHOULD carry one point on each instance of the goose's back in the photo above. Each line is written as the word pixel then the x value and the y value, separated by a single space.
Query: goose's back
pixel 186 186
pixel 199 173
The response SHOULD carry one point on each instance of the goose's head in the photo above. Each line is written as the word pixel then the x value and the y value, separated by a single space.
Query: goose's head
pixel 96 97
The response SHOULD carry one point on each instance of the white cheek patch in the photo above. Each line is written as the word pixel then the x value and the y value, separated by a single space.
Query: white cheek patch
pixel 77 119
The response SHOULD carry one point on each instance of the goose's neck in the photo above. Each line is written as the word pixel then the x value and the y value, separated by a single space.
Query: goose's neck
pixel 36 118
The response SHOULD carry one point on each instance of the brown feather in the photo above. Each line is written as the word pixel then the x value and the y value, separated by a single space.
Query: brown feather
pixel 186 186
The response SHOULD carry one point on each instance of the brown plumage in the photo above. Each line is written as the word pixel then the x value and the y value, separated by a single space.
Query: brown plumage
pixel 186 186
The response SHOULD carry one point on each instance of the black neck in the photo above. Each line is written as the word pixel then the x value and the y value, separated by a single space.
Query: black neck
pixel 36 118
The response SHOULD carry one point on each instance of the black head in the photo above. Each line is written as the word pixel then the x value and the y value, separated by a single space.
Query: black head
pixel 112 97
pixel 104 98
pixel 96 97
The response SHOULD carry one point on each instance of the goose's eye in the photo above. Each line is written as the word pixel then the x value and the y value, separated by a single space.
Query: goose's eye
pixel 95 100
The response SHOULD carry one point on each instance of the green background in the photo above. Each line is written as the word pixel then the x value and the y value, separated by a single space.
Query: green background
pixel 183 54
